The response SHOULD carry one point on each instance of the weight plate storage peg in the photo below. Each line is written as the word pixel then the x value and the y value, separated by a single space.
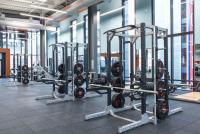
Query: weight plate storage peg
pixel 79 80
pixel 160 69
pixel 25 81
pixel 162 109
pixel 25 68
pixel 117 69
pixel 118 100
pixel 78 68
pixel 61 68
pixel 79 93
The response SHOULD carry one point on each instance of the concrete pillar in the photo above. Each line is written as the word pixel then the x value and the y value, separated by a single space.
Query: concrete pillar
pixel 92 39
pixel 42 46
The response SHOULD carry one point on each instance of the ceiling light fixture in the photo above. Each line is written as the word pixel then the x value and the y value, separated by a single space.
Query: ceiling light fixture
pixel 48 9
pixel 35 16
pixel 77 24
pixel 12 33
pixel 112 11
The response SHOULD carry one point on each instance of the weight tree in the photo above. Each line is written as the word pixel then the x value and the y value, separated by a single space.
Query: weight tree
pixel 74 81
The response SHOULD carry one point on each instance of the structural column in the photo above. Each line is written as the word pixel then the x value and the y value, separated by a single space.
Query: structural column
pixel 92 38
pixel 42 46
pixel 1 40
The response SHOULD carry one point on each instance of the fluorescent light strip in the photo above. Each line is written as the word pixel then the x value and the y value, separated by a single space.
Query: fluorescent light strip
pixel 12 33
pixel 112 11
pixel 48 9
pixel 77 24
pixel 35 16
pixel 15 27
pixel 54 32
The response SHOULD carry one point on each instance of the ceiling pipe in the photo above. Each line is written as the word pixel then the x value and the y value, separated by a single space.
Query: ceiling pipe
pixel 73 8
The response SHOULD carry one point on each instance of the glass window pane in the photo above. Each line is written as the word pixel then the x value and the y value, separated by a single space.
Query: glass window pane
pixel 183 15
pixel 183 57
pixel 162 13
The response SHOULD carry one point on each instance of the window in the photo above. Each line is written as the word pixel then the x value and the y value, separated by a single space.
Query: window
pixel 181 37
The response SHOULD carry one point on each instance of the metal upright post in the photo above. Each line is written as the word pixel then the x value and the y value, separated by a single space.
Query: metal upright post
pixel 26 50
pixel 131 62
pixel 6 38
pixel 166 57
pixel 31 55
pixel 166 64
pixel 121 60
pixel 154 49
pixel 143 67
pixel 66 66
pixel 86 55
pixel 63 55
pixel 108 68
pixel 56 41
pixel 53 60
pixel 21 54
pixel 77 49
pixel 14 53
pixel 17 60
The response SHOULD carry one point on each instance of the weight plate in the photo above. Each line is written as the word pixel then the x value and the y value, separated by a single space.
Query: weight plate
pixel 25 81
pixel 102 80
pixel 18 73
pixel 19 68
pixel 79 80
pixel 162 109
pixel 61 68
pixel 78 68
pixel 117 82
pixel 161 89
pixel 61 89
pixel 118 101
pixel 79 93
pixel 61 77
pixel 117 69
pixel 25 68
pixel 25 74
pixel 160 71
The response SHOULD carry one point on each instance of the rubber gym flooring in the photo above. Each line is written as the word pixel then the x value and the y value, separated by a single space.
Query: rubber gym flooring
pixel 20 113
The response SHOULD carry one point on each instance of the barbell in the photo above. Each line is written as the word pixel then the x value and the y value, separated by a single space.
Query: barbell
pixel 127 89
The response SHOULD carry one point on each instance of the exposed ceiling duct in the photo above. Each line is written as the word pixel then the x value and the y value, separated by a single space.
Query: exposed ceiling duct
pixel 25 5
pixel 25 25
pixel 75 8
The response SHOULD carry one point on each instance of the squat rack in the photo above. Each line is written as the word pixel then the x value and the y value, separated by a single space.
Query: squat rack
pixel 141 31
